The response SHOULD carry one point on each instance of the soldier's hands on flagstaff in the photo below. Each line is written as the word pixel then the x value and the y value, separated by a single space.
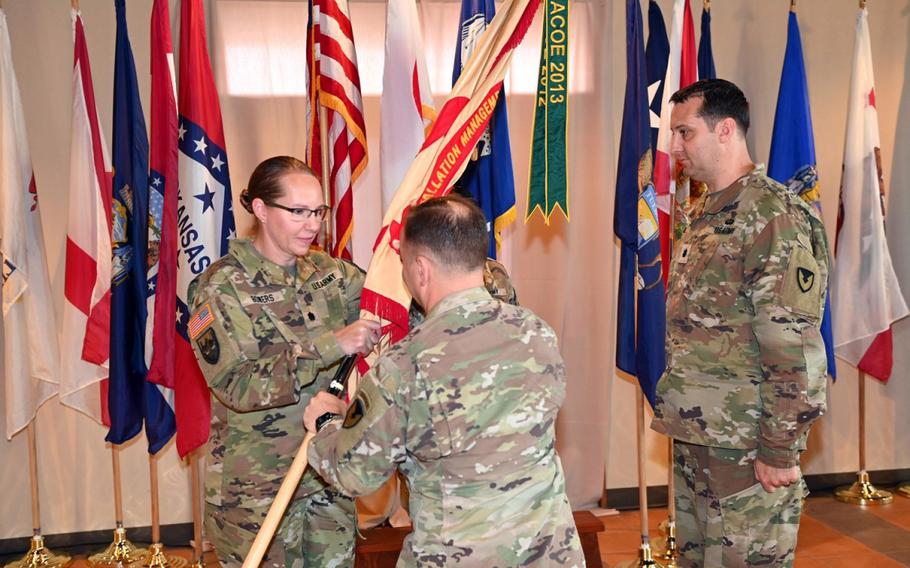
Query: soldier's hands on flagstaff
pixel 320 404
pixel 359 337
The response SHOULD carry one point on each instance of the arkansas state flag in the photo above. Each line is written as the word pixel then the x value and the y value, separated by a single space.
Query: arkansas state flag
pixel 458 128
pixel 85 343
pixel 641 320
pixel 406 103
pixel 30 350
pixel 865 293
pixel 205 214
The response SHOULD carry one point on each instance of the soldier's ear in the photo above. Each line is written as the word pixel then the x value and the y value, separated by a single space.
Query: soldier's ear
pixel 726 129
pixel 259 208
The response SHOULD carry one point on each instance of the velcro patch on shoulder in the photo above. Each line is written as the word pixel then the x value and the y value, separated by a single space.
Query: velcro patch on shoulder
pixel 209 347
pixel 201 320
pixel 802 290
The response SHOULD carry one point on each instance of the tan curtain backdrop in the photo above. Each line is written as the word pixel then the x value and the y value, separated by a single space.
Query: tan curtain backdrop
pixel 565 272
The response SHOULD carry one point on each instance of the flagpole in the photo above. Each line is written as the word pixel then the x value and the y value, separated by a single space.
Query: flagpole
pixel 195 495
pixel 862 492
pixel 645 557
pixel 326 174
pixel 157 558
pixel 37 555
pixel 121 550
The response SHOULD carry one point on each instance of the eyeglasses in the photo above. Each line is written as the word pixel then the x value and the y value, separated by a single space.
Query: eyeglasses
pixel 303 213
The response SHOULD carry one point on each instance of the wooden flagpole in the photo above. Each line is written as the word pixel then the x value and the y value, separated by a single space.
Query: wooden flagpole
pixel 196 495
pixel 121 550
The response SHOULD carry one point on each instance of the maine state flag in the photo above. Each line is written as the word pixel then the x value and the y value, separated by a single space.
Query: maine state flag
pixel 488 179
pixel 792 159
pixel 130 398
pixel 640 324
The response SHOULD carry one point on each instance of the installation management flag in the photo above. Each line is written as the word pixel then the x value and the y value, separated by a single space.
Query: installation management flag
pixel 641 320
pixel 85 343
pixel 205 214
pixel 406 105
pixel 459 126
pixel 866 296
pixel 792 158
pixel 30 351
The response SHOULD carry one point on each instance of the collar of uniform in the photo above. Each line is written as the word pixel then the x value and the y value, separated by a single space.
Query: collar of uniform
pixel 253 260
pixel 460 298
pixel 716 201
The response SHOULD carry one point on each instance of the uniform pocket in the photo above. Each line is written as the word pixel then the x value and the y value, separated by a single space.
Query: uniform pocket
pixel 760 528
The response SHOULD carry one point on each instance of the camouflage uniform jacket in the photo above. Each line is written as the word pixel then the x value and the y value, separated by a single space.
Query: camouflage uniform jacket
pixel 746 364
pixel 465 406
pixel 263 339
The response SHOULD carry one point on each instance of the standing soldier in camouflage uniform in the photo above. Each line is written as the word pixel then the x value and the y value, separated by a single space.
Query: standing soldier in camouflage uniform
pixel 746 364
pixel 465 406
pixel 270 318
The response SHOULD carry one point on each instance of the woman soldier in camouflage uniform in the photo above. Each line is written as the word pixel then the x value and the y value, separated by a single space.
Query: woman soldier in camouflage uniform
pixel 270 319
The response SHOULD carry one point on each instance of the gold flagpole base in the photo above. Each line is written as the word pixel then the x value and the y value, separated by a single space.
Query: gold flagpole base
pixel 863 493
pixel 645 558
pixel 903 490
pixel 158 559
pixel 39 556
pixel 121 552
pixel 200 563
pixel 665 549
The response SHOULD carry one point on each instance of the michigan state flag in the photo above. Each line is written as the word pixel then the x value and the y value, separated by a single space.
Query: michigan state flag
pixel 130 398
pixel 641 324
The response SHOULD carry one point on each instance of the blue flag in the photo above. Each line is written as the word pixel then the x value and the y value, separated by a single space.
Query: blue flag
pixel 792 159
pixel 657 54
pixel 130 398
pixel 706 68
pixel 641 324
pixel 488 179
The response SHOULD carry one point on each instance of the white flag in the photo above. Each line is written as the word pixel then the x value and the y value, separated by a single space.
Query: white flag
pixel 85 345
pixel 30 352
pixel 407 111
pixel 865 294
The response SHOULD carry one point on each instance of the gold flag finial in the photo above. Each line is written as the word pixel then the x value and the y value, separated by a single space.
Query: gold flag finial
pixel 74 4
pixel 793 6
pixel 706 5
pixel 862 4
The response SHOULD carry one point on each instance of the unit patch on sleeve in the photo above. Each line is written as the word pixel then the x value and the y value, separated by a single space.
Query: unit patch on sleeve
pixel 208 346
pixel 357 410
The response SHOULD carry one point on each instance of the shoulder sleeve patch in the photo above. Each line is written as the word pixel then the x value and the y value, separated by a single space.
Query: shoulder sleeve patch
pixel 801 289
pixel 200 321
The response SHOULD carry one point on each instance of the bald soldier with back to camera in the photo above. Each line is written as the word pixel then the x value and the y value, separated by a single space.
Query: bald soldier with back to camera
pixel 465 407
pixel 746 367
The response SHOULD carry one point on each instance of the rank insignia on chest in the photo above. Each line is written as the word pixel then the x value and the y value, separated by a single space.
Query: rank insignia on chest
pixel 805 278
pixel 683 255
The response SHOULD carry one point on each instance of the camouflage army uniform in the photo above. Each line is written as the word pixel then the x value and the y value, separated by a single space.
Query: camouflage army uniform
pixel 746 369
pixel 465 406
pixel 264 339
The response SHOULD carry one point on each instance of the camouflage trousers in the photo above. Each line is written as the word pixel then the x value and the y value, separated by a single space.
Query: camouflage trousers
pixel 724 518
pixel 316 531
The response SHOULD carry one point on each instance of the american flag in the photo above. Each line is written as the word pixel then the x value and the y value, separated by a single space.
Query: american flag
pixel 335 84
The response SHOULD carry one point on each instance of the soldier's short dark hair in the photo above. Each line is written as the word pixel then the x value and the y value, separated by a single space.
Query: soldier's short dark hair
pixel 452 229
pixel 265 182
pixel 720 99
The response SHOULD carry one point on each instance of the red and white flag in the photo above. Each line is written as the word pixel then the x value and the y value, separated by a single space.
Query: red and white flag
pixel 443 157
pixel 163 177
pixel 407 102
pixel 866 297
pixel 30 350
pixel 682 71
pixel 335 84
pixel 85 344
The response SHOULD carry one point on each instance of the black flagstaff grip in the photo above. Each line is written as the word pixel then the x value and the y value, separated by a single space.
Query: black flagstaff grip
pixel 337 386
